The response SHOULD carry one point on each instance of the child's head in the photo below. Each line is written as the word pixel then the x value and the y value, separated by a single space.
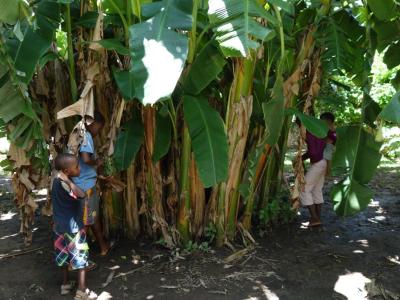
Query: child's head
pixel 68 164
pixel 329 118
pixel 97 124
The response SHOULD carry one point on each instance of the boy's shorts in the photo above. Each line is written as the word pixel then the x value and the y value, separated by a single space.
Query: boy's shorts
pixel 90 207
pixel 71 248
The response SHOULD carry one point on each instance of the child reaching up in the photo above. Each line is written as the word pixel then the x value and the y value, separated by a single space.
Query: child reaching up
pixel 70 236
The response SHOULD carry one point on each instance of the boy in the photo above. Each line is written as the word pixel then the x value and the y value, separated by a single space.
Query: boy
pixel 87 182
pixel 70 236
pixel 312 197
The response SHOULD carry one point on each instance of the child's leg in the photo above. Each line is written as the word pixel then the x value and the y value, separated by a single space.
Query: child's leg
pixel 317 193
pixel 65 275
pixel 82 280
pixel 314 216
pixel 318 210
pixel 98 233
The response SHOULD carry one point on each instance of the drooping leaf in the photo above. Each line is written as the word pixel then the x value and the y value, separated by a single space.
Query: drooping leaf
pixel 12 103
pixel 350 197
pixel 387 32
pixel 346 21
pixel 125 82
pixel 236 29
pixel 206 67
pixel 341 53
pixel 209 140
pixel 392 56
pixel 372 110
pixel 128 143
pixel 274 113
pixel 357 156
pixel 37 40
pixel 391 112
pixel 114 44
pixel 163 135
pixel 314 125
pixel 22 124
pixel 383 9
pixel 158 52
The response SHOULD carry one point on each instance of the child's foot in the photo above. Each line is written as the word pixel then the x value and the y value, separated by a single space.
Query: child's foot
pixel 86 295
pixel 314 223
pixel 110 247
pixel 67 288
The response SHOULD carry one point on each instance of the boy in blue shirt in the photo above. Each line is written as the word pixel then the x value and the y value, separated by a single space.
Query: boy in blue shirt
pixel 70 244
pixel 87 179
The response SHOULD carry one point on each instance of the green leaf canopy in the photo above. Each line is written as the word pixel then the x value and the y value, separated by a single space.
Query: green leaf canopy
pixel 158 52
pixel 235 26
pixel 209 141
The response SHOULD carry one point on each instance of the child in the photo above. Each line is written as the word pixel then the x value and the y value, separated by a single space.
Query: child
pixel 89 163
pixel 70 237
pixel 312 196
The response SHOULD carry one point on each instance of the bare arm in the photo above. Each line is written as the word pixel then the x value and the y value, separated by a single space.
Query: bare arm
pixel 88 159
pixel 74 188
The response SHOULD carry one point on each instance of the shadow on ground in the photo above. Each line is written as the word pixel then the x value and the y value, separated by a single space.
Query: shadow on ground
pixel 345 259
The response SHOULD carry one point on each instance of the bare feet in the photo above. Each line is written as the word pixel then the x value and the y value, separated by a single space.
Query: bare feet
pixel 314 223
pixel 111 246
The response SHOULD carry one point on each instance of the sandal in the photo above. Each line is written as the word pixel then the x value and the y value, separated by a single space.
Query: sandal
pixel 66 288
pixel 86 295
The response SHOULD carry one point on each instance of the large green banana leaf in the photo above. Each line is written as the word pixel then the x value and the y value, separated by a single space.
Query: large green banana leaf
pixel 383 9
pixel 37 40
pixel 392 56
pixel 10 11
pixel 274 113
pixel 158 52
pixel 391 112
pixel 206 67
pixel 128 142
pixel 209 140
pixel 125 82
pixel 315 126
pixel 357 157
pixel 235 26
pixel 163 134
pixel 341 53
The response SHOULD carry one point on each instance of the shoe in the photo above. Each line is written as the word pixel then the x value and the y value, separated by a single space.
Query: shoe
pixel 66 288
pixel 86 295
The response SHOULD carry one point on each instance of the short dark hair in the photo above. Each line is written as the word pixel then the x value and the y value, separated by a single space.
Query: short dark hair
pixel 63 161
pixel 327 116
pixel 98 117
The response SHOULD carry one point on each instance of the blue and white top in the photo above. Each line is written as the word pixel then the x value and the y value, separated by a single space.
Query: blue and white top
pixel 87 178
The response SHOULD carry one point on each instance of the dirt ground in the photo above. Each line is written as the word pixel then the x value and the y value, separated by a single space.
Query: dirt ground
pixel 345 259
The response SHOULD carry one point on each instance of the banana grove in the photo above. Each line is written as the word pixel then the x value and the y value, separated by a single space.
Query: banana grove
pixel 199 99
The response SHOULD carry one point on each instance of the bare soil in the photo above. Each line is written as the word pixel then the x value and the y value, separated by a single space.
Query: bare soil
pixel 352 258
